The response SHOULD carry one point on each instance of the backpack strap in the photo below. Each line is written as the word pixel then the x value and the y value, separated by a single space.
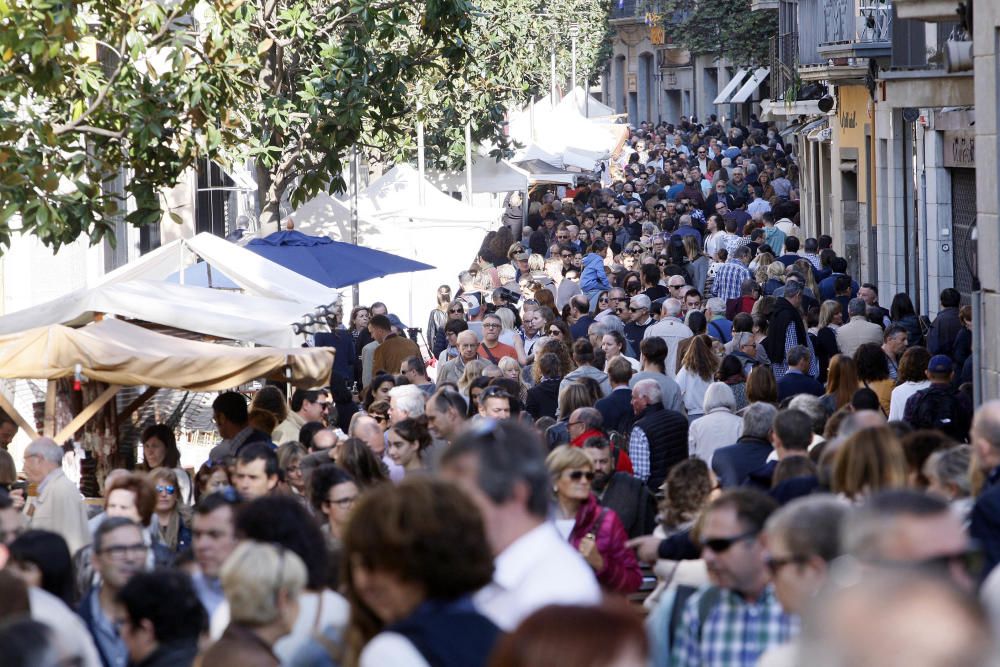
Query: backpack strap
pixel 708 600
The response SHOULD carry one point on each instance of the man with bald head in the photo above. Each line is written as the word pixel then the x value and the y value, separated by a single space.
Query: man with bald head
pixel 985 525
pixel 468 344
pixel 58 506
pixel 367 430
pixel 672 330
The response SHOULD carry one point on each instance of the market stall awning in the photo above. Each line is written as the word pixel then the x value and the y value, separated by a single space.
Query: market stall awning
pixel 731 87
pixel 124 354
pixel 751 85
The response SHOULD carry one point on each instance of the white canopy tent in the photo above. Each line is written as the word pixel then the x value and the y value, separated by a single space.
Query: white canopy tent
pixel 450 245
pixel 211 312
pixel 564 132
pixel 586 104
pixel 488 175
pixel 397 193
pixel 256 275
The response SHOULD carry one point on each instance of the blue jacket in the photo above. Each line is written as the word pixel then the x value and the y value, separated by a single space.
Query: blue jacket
pixel 732 464
pixel 616 409
pixel 984 526
pixel 593 278
pixel 795 383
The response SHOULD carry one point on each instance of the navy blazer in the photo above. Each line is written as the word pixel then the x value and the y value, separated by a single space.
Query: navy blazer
pixel 793 384
pixel 732 464
pixel 984 526
pixel 616 409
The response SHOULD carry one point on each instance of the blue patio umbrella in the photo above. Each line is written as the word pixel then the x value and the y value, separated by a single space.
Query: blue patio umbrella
pixel 332 263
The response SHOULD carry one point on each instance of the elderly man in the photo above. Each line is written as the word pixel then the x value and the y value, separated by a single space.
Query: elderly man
pixel 733 463
pixel 445 412
pixel 672 331
pixel 406 402
pixel 58 506
pixel 451 371
pixel 859 330
pixel 659 437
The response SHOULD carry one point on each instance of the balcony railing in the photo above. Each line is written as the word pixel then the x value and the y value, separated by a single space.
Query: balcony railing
pixel 856 21
pixel 784 64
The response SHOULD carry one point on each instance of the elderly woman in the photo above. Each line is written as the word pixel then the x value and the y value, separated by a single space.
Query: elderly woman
pixel 262 583
pixel 595 531
pixel 173 516
pixel 414 556
pixel 159 450
pixel 719 426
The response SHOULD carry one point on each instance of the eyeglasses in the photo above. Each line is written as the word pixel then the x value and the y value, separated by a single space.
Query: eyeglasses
pixel 577 475
pixel 603 298
pixel 168 489
pixel 380 418
pixel 555 332
pixel 775 564
pixel 456 310
pixel 722 544
pixel 491 325
pixel 566 255
pixel 122 550
pixel 343 503
pixel 636 309
pixel 675 286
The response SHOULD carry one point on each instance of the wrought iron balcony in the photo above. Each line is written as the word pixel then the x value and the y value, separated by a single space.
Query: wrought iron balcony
pixel 784 64
pixel 855 28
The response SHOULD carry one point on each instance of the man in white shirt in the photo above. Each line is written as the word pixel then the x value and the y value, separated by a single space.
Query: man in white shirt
pixel 672 330
pixel 501 466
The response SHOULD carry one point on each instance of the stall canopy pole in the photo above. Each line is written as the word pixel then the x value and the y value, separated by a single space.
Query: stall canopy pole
pixel 468 162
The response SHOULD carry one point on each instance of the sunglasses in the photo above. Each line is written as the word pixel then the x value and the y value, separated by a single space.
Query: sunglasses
pixel 637 310
pixel 381 418
pixel 722 544
pixel 169 489
pixel 456 310
pixel 577 475
pixel 603 298
pixel 555 332
pixel 774 565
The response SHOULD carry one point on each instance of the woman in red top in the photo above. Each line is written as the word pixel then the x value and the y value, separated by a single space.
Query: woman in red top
pixel 595 531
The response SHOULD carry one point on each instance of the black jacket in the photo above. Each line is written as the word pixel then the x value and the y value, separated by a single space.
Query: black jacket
pixel 179 653
pixel 616 409
pixel 632 502
pixel 543 399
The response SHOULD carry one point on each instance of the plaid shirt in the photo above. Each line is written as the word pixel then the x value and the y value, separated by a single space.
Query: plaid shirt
pixel 734 241
pixel 638 452
pixel 780 366
pixel 736 632
pixel 728 279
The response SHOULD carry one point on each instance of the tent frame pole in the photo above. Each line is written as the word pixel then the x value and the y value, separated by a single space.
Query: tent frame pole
pixel 9 408
pixel 85 415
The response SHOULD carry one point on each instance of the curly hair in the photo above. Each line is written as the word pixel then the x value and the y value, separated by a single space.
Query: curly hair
pixel 414 430
pixel 686 491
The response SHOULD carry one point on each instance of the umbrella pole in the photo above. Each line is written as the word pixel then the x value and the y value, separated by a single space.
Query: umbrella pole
pixel 468 161
pixel 420 155
pixel 355 177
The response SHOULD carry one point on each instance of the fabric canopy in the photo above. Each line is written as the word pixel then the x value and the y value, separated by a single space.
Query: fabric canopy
pixel 254 274
pixel 211 312
pixel 119 353
pixel 488 175
pixel 586 104
pixel 397 193
pixel 330 262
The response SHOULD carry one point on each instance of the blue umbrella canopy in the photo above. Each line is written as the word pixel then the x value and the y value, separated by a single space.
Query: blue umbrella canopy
pixel 332 263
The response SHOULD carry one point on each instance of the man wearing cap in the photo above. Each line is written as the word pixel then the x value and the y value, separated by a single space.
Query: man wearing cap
pixel 393 349
pixel 639 309
pixel 940 406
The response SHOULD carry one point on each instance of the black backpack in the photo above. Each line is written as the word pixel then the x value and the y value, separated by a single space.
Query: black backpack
pixel 940 409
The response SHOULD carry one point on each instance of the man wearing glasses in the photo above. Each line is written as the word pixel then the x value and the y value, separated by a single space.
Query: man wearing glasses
pixel 119 553
pixel 308 405
pixel 639 320
pixel 468 344
pixel 57 507
pixel 491 349
pixel 741 603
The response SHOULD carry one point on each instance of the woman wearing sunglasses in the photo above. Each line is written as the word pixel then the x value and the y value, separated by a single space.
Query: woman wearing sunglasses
pixel 173 517
pixel 595 531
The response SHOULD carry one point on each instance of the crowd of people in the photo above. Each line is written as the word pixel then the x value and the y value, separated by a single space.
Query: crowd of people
pixel 653 423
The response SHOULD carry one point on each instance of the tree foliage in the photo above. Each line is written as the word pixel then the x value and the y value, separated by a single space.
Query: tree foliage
pixel 88 92
pixel 721 28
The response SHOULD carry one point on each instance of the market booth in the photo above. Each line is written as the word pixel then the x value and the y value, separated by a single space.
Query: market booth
pixel 87 367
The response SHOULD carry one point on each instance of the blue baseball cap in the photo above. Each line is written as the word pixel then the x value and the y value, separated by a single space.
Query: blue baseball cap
pixel 940 363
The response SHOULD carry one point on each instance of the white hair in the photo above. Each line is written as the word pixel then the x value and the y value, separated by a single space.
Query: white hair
pixel 47 449
pixel 648 389
pixel 671 308
pixel 719 395
pixel 716 305
pixel 409 398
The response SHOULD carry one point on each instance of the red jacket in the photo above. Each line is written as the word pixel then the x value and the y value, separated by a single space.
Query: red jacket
pixel 624 463
pixel 621 568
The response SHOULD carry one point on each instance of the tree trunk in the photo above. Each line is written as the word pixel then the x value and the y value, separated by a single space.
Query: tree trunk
pixel 269 218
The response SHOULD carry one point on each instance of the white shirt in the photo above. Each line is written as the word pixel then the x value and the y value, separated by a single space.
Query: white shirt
pixel 391 648
pixel 672 331
pixel 693 388
pixel 536 570
pixel 900 395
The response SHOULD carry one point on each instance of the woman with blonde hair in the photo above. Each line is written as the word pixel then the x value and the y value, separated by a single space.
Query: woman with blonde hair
pixel 771 277
pixel 509 334
pixel 596 532
pixel 841 383
pixel 697 372
pixel 473 369
pixel 173 517
pixel 869 461
pixel 698 263
pixel 511 370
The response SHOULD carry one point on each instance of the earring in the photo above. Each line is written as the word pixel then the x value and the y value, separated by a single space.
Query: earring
pixel 555 489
